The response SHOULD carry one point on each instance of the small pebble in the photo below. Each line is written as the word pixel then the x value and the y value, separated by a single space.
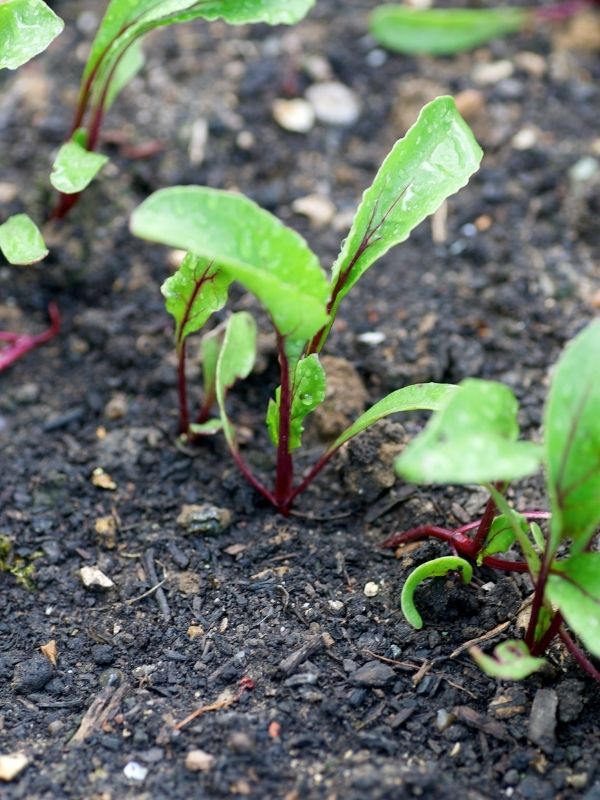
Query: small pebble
pixel 542 720
pixel 204 518
pixel 94 578
pixel 371 589
pixel 443 719
pixel 116 408
pixel 296 115
pixel 32 675
pixel 11 765
pixel 372 338
pixel 494 72
pixel 334 103
pixel 470 103
pixel 373 673
pixel 319 210
pixel 584 170
pixel 103 654
pixel 199 761
pixel 335 605
pixel 134 771
pixel 525 139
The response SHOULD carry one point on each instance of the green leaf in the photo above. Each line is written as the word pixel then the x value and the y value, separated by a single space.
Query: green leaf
pixel 572 440
pixel 235 362
pixel 472 439
pixel 511 661
pixel 26 28
pixel 208 428
pixel 127 68
pixel 440 31
pixel 193 293
pixel 211 347
pixel 500 536
pixel 75 167
pixel 308 392
pixel 21 241
pixel 249 244
pixel 575 589
pixel 434 160
pixel 435 568
pixel 418 397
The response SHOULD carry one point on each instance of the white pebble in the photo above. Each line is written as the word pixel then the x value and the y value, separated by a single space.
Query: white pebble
pixel 319 210
pixel 134 771
pixel 496 71
pixel 334 103
pixel 371 589
pixel 199 761
pixel 297 115
pixel 94 578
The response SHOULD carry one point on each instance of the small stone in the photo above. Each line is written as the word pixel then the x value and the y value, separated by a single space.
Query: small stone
pixel 8 192
pixel 116 408
pixel 443 719
pixel 241 742
pixel 189 582
pixel 103 654
pixel 494 72
pixel 32 675
pixel 371 338
pixel 204 518
pixel 296 115
pixel 11 765
pixel 373 673
pixel 27 393
pixel 94 578
pixel 335 605
pixel 195 632
pixel 525 139
pixel 319 210
pixel 542 720
pixel 371 589
pixel 584 170
pixel 199 761
pixel 134 771
pixel 578 780
pixel 56 727
pixel 102 480
pixel 245 140
pixel 334 103
pixel 470 103
pixel 106 530
pixel 533 63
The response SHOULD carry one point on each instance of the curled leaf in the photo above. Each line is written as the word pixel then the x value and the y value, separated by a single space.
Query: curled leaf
pixel 437 567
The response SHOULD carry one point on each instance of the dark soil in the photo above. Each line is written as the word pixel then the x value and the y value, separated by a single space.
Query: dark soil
pixel 347 701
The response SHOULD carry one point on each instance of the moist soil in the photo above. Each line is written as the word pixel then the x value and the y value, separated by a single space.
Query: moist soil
pixel 312 685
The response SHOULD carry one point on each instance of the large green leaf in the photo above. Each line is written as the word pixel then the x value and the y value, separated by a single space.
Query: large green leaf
pixel 442 31
pixel 500 536
pixel 235 362
pixel 472 439
pixel 576 592
pixel 434 160
pixel 21 241
pixel 193 293
pixel 418 397
pixel 26 28
pixel 437 567
pixel 249 244
pixel 511 661
pixel 308 392
pixel 572 440
pixel 75 167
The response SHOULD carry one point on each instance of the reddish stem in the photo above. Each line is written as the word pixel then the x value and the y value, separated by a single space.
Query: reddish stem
pixel 252 479
pixel 20 343
pixel 285 465
pixel 562 11
pixel 579 656
pixel 540 646
pixel 184 417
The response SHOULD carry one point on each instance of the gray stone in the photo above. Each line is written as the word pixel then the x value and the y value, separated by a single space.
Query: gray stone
pixel 542 720
pixel 32 675
pixel 373 673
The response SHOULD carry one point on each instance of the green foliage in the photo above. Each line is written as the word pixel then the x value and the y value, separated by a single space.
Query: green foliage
pixel 21 569
pixel 21 241
pixel 434 160
pixel 235 362
pixel 511 661
pixel 574 587
pixel 75 167
pixel 472 439
pixel 572 440
pixel 308 392
pixel 437 567
pixel 442 31
pixel 500 536
pixel 247 243
pixel 26 28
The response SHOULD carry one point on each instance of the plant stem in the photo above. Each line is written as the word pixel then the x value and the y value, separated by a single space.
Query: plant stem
pixel 184 417
pixel 251 478
pixel 20 343
pixel 285 466
pixel 538 598
pixel 562 11
pixel 579 656
pixel 540 646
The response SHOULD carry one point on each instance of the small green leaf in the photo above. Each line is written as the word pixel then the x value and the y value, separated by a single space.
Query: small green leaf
pixel 435 568
pixel 572 440
pixel 249 244
pixel 308 392
pixel 574 586
pixel 21 241
pixel 472 439
pixel 208 428
pixel 442 31
pixel 26 28
pixel 418 397
pixel 211 347
pixel 511 661
pixel 501 536
pixel 127 68
pixel 75 167
pixel 235 362
pixel 193 293
pixel 434 160
pixel 273 12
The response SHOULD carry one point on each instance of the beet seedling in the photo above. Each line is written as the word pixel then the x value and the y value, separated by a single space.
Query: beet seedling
pixel 473 438
pixel 230 238
pixel 446 31
pixel 26 28
pixel 116 57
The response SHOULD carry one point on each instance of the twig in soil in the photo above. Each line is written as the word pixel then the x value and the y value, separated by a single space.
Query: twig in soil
pixel 406 665
pixel 290 664
pixel 161 599
pixel 225 700
pixel 146 594
pixel 286 595
pixel 102 709
pixel 489 635
pixel 420 674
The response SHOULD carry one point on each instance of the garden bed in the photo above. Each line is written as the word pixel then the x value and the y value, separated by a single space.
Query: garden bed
pixel 331 693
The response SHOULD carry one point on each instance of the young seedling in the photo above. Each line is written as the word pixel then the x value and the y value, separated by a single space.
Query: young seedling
pixel 446 31
pixel 230 238
pixel 26 28
pixel 473 438
pixel 22 244
pixel 116 57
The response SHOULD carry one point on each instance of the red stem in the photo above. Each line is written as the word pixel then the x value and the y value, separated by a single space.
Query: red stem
pixel 251 478
pixel 579 656
pixel 540 646
pixel 285 465
pixel 19 344
pixel 562 11
pixel 184 417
